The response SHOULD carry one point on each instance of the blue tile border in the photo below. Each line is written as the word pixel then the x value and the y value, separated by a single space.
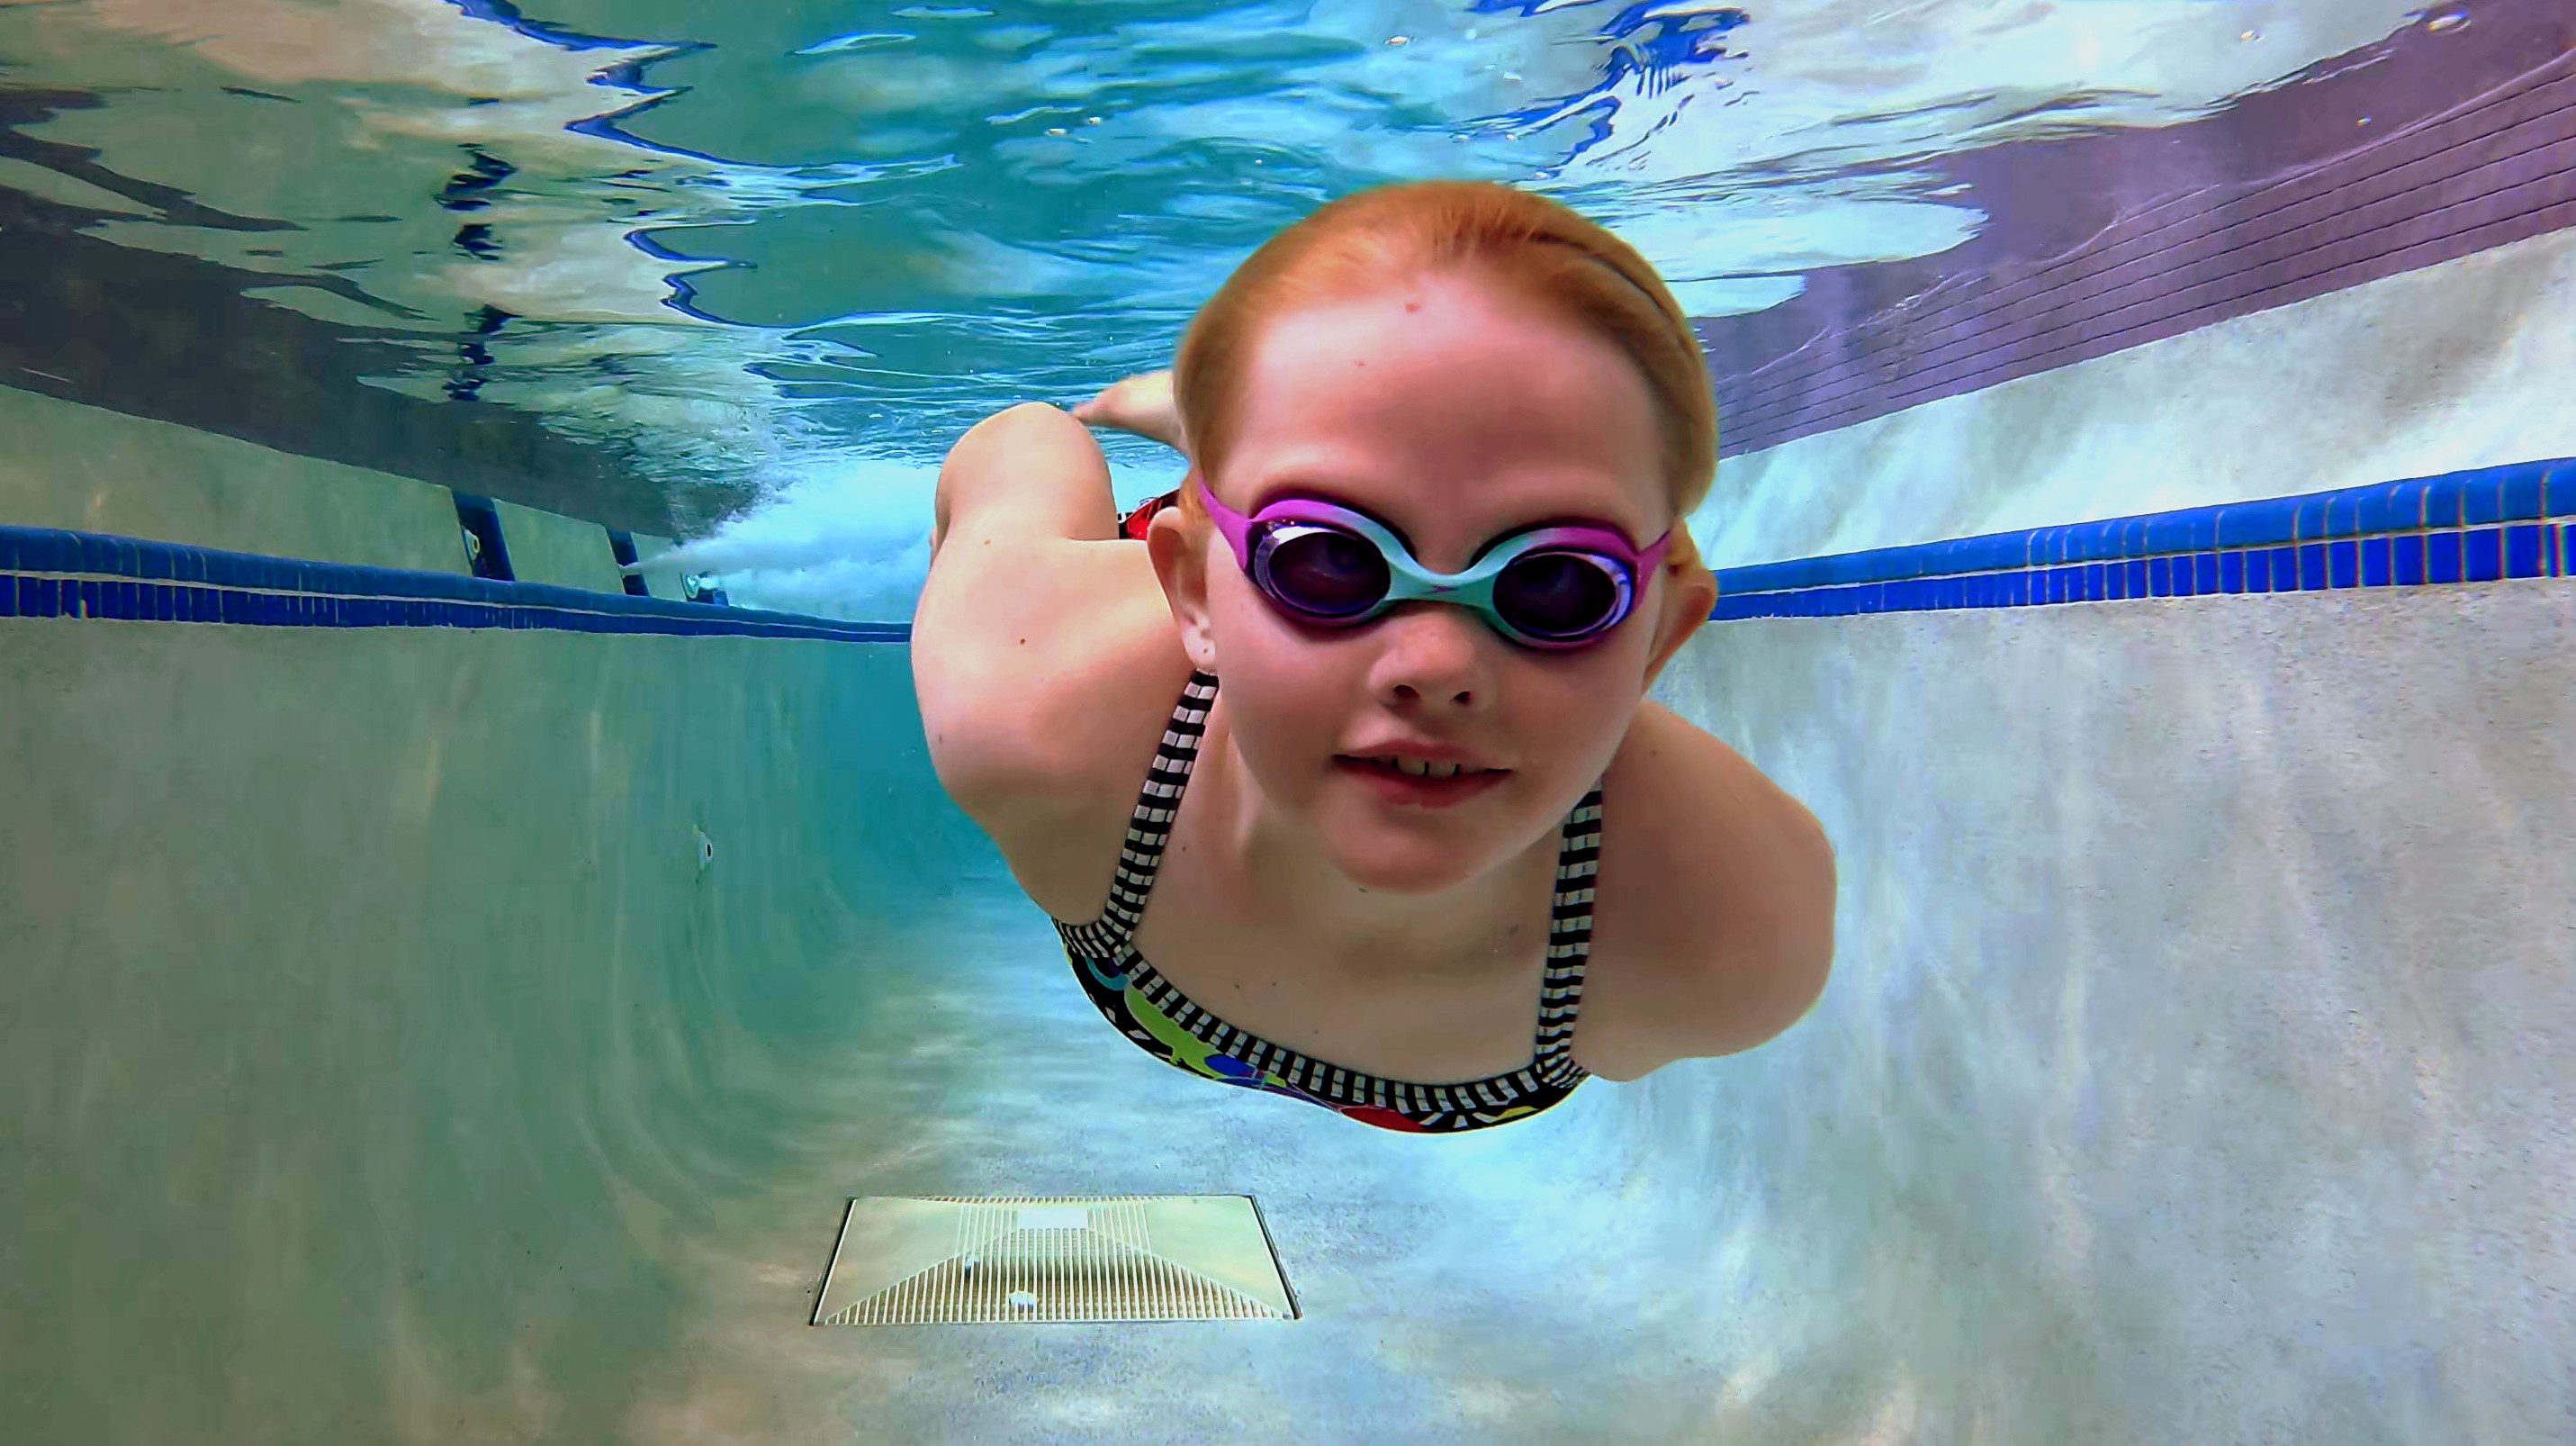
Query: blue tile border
pixel 2484 525
pixel 52 574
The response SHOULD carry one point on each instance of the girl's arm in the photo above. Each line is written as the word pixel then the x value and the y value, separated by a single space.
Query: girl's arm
pixel 1037 622
pixel 1030 471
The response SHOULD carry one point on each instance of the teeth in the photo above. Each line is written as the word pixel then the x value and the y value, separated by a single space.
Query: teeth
pixel 1418 768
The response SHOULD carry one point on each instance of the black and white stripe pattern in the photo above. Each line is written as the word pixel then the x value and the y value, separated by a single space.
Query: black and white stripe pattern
pixel 1104 946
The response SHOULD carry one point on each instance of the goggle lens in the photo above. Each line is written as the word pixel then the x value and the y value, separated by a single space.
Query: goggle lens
pixel 1558 595
pixel 1323 570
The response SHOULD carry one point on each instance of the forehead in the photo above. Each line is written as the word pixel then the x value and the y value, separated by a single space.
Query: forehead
pixel 1445 398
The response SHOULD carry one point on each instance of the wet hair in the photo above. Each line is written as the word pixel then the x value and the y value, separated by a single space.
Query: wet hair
pixel 1537 248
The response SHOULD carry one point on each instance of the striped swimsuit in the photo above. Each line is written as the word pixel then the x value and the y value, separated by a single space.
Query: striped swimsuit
pixel 1150 1010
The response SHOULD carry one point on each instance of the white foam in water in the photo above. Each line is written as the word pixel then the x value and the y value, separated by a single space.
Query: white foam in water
pixel 846 539
pixel 851 539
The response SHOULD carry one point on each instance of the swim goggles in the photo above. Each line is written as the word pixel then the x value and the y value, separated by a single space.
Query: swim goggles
pixel 1320 563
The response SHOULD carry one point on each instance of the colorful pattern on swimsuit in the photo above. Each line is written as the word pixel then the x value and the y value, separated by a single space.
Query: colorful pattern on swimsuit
pixel 1151 1011
pixel 1135 524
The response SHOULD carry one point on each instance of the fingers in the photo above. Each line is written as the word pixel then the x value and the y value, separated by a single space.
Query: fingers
pixel 1105 404
pixel 1109 407
pixel 1141 404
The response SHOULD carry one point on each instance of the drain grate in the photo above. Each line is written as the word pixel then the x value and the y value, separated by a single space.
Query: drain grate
pixel 928 1261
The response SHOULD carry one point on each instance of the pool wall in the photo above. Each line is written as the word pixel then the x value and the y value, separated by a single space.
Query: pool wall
pixel 379 1039
pixel 2197 1056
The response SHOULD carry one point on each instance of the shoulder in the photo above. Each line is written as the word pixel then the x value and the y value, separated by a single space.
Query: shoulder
pixel 1713 924
pixel 1042 699
pixel 1042 647
pixel 1054 685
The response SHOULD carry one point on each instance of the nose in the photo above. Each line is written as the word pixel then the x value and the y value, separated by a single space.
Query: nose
pixel 1432 655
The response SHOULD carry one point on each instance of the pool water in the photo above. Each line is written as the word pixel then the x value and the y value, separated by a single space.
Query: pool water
pixel 443 1010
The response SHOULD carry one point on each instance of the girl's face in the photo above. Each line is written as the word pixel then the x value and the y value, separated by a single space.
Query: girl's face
pixel 1455 413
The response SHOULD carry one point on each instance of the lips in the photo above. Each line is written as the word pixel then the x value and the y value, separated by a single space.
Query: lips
pixel 1419 782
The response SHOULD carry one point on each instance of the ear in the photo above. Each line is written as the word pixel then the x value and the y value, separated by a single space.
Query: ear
pixel 1179 552
pixel 1690 594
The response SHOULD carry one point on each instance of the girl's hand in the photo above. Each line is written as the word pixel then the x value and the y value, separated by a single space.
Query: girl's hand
pixel 1140 404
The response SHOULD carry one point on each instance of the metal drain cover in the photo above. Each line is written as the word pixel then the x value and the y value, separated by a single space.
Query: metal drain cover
pixel 929 1261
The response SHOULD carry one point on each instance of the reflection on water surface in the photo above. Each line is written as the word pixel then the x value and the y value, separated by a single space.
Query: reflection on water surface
pixel 646 262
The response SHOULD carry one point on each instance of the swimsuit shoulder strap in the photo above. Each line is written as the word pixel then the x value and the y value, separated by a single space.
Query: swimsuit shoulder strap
pixel 1149 827
pixel 1569 939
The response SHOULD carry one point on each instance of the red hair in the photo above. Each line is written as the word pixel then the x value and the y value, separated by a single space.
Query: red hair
pixel 1536 247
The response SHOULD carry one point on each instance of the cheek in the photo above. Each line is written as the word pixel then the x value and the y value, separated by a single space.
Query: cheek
pixel 1579 706
pixel 1289 698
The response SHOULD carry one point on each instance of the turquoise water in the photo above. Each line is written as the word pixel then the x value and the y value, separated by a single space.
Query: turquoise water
pixel 381 1062
pixel 752 248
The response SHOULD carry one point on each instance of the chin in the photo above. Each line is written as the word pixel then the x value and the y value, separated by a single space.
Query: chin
pixel 1416 869
pixel 1389 861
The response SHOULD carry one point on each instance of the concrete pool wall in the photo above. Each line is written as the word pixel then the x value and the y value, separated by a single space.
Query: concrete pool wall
pixel 2198 1053
pixel 378 1032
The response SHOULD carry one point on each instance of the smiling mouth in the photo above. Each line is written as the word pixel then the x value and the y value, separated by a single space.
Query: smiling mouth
pixel 1418 768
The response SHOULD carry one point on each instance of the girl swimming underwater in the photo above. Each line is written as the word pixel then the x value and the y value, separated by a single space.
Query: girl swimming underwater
pixel 1411 843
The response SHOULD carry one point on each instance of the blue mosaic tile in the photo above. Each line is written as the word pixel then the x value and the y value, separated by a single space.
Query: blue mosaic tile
pixel 2406 559
pixel 162 582
pixel 2442 557
pixel 2343 564
pixel 2257 524
pixel 2522 494
pixel 2388 509
pixel 2482 496
pixel 2442 500
pixel 1995 553
pixel 2231 572
pixel 2340 516
pixel 2522 551
pixel 2516 493
pixel 2375 561
pixel 2271 569
pixel 2482 554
